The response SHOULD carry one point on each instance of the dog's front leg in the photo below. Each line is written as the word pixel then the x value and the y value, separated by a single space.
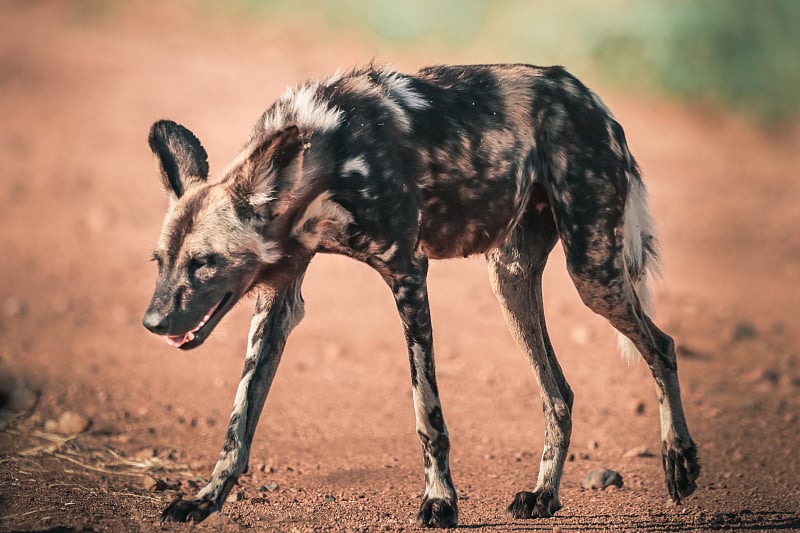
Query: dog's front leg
pixel 408 282
pixel 276 313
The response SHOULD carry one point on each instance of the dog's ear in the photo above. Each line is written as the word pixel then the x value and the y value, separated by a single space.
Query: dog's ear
pixel 268 175
pixel 182 159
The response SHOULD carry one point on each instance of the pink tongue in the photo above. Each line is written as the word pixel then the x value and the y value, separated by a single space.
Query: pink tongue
pixel 177 342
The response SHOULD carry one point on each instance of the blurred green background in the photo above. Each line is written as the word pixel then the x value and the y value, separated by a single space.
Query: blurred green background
pixel 737 54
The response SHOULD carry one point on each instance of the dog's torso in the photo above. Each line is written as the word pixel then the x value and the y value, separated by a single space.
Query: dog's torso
pixel 446 158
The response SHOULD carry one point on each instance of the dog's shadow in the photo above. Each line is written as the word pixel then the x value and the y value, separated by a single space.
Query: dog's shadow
pixel 744 520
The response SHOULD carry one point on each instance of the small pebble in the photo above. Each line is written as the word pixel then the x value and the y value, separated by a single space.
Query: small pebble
pixel 69 423
pixel 742 331
pixel 600 479
pixel 153 484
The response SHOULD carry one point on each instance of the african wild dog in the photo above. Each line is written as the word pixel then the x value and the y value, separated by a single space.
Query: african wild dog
pixel 392 170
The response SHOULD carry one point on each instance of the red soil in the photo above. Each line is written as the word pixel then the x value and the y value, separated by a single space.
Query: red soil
pixel 81 207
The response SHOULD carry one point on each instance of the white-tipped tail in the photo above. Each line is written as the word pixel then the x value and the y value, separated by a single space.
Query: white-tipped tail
pixel 641 260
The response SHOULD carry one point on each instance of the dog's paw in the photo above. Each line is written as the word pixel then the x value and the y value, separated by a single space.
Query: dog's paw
pixel 188 511
pixel 436 512
pixel 538 504
pixel 681 469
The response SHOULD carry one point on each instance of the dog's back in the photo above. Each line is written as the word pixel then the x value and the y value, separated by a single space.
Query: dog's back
pixel 456 147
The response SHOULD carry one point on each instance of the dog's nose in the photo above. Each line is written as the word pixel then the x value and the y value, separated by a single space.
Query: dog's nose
pixel 155 322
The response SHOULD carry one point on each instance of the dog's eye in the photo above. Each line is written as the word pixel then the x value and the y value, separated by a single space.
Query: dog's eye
pixel 195 264
pixel 210 261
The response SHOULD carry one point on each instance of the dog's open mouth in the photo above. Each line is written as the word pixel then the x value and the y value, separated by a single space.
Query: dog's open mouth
pixel 180 341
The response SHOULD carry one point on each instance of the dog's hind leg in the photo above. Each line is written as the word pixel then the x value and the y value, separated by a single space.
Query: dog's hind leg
pixel 616 300
pixel 608 245
pixel 409 286
pixel 276 313
pixel 515 270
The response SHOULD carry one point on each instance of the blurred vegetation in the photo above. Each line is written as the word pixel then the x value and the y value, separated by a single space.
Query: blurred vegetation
pixel 739 54
pixel 742 54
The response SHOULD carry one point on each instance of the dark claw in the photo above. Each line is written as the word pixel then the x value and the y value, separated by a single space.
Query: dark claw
pixel 188 511
pixel 539 504
pixel 681 469
pixel 436 512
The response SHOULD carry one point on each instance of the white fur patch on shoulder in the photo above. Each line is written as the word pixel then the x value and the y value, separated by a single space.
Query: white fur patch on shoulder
pixel 303 107
pixel 399 88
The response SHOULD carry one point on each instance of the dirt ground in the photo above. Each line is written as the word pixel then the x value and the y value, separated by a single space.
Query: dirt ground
pixel 80 209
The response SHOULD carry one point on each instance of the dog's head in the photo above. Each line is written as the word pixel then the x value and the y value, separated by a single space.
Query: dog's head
pixel 219 236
